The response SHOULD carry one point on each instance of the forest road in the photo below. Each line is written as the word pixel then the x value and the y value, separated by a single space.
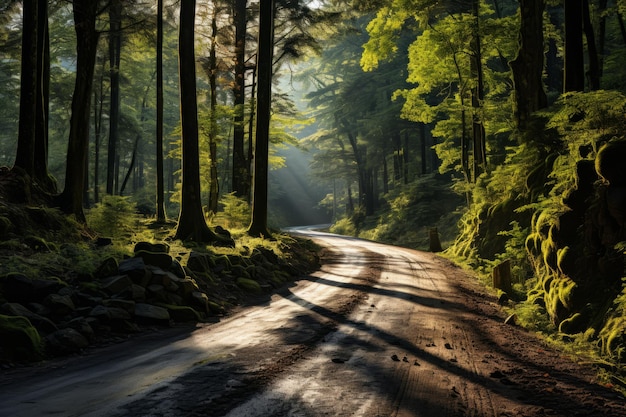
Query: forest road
pixel 377 331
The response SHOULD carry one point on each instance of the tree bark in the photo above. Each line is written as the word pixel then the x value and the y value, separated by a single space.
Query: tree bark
pixel 71 199
pixel 258 225
pixel 240 165
pixel 574 68
pixel 191 222
pixel 527 67
pixel 160 181
pixel 593 74
pixel 25 155
pixel 115 45
pixel 213 177
pixel 42 175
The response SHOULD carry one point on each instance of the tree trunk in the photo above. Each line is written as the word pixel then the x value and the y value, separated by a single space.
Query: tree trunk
pixel 115 46
pixel 593 74
pixel 601 35
pixel 574 67
pixel 25 155
pixel 42 176
pixel 527 67
pixel 213 180
pixel 160 181
pixel 241 165
pixel 71 199
pixel 191 222
pixel 258 225
pixel 478 129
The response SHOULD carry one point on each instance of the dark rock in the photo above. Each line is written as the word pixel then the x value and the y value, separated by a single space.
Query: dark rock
pixel 19 338
pixel 160 259
pixel 82 326
pixel 201 300
pixel 107 268
pixel 151 312
pixel 22 289
pixel 43 324
pixel 101 313
pixel 135 268
pixel 60 305
pixel 199 262
pixel 126 305
pixel 65 341
pixel 138 293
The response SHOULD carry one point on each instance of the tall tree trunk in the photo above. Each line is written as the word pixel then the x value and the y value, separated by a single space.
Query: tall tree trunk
pixel 213 180
pixel 601 34
pixel 251 121
pixel 191 222
pixel 160 181
pixel 527 67
pixel 71 199
pixel 574 68
pixel 42 175
pixel 97 122
pixel 240 165
pixel 422 129
pixel 25 155
pixel 593 74
pixel 258 225
pixel 478 128
pixel 115 46
pixel 405 158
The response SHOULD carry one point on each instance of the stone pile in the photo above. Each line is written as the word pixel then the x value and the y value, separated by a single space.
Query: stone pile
pixel 49 316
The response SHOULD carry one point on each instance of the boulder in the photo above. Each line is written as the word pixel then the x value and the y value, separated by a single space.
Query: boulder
pixel 159 259
pixel 82 326
pixel 135 268
pixel 151 312
pixel 19 338
pixel 43 324
pixel 65 341
pixel 107 268
pixel 126 305
pixel 22 289
pixel 60 305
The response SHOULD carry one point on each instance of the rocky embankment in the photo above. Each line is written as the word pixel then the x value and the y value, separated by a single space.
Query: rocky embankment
pixel 52 317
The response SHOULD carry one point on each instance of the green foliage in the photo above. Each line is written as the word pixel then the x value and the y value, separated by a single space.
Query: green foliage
pixel 114 217
pixel 235 213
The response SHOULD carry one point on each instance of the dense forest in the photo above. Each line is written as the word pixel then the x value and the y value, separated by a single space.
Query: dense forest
pixel 498 122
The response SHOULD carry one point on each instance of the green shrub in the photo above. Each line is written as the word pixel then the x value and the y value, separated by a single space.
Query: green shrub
pixel 115 217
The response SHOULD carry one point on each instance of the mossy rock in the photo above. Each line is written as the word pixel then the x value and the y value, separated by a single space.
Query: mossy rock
pixel 182 313
pixel 249 285
pixel 158 259
pixel 215 308
pixel 609 162
pixel 19 338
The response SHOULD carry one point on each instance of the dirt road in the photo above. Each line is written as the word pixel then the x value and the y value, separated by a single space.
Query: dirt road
pixel 378 331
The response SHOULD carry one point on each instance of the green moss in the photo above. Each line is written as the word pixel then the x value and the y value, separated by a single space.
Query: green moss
pixel 19 338
pixel 249 285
